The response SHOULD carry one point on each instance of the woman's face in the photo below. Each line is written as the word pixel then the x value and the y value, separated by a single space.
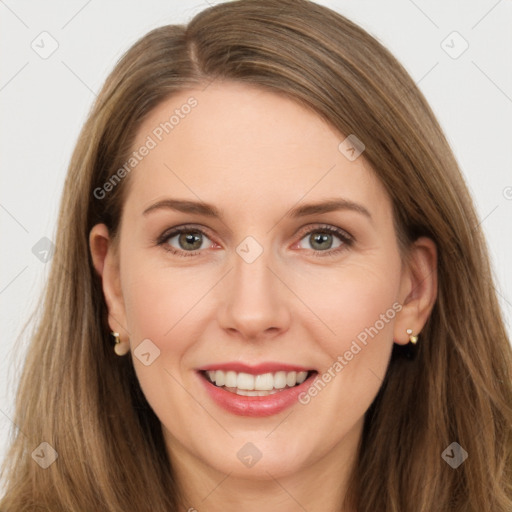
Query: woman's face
pixel 261 289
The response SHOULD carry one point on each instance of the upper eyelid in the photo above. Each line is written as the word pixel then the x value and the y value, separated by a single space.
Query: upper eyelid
pixel 328 227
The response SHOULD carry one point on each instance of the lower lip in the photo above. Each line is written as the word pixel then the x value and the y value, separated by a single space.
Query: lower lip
pixel 255 406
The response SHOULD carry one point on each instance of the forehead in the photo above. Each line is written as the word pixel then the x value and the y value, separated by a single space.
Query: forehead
pixel 236 142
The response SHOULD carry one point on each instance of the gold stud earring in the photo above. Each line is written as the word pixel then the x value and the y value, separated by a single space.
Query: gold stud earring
pixel 120 348
pixel 413 339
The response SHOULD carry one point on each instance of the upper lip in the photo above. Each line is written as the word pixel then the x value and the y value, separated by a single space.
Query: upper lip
pixel 255 369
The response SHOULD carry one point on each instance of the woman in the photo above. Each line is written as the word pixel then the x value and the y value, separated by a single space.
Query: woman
pixel 270 289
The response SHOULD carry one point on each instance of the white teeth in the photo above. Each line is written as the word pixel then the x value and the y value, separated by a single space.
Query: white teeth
pixel 301 377
pixel 249 385
pixel 245 381
pixel 220 377
pixel 291 379
pixel 280 380
pixel 264 382
pixel 229 379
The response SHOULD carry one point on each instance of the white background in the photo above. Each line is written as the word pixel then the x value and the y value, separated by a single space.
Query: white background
pixel 44 103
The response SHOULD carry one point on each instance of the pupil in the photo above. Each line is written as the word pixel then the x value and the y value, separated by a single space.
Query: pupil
pixel 319 238
pixel 190 239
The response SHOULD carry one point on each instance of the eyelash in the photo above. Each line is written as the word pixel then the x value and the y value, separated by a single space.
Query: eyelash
pixel 346 239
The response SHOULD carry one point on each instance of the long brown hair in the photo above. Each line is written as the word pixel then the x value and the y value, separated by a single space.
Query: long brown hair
pixel 85 402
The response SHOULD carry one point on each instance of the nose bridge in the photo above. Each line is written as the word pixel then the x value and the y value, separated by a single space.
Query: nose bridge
pixel 251 274
pixel 254 302
pixel 252 279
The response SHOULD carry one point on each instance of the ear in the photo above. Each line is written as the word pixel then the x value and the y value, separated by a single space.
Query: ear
pixel 418 289
pixel 106 263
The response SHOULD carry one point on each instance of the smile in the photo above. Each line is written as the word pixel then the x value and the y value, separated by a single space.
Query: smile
pixel 262 390
pixel 263 384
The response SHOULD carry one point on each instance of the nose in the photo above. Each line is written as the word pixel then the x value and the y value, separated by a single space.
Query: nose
pixel 255 300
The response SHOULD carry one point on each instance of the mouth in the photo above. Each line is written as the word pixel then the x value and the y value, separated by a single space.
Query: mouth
pixel 263 384
pixel 255 391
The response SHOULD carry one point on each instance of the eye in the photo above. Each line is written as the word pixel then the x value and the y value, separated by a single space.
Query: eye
pixel 326 240
pixel 189 241
pixel 184 241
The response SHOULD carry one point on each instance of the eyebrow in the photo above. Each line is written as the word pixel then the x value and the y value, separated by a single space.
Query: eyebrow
pixel 208 210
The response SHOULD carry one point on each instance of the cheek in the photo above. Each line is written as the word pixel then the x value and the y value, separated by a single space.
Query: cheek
pixel 366 308
pixel 159 306
pixel 358 305
pixel 159 303
pixel 356 301
pixel 159 299
pixel 149 312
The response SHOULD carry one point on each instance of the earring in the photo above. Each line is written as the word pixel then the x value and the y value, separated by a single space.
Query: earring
pixel 413 339
pixel 120 348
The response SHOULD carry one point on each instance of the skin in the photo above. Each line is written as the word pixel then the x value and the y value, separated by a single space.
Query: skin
pixel 255 155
